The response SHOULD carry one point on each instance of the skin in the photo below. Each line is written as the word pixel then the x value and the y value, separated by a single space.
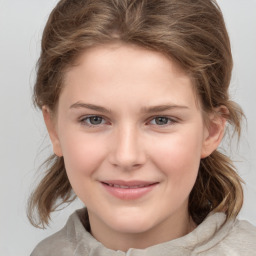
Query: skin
pixel 128 141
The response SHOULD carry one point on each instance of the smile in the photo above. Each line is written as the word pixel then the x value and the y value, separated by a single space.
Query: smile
pixel 128 190
pixel 126 187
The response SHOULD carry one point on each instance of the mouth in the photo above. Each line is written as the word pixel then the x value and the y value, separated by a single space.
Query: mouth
pixel 128 190
pixel 126 187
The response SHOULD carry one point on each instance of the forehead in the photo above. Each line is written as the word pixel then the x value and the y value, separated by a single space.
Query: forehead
pixel 115 69
pixel 123 53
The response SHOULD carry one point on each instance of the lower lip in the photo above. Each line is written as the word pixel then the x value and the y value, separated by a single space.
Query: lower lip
pixel 129 193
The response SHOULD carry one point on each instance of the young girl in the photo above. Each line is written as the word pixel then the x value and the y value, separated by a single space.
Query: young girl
pixel 134 94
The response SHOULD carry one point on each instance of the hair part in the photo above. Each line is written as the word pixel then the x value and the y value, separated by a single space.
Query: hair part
pixel 192 33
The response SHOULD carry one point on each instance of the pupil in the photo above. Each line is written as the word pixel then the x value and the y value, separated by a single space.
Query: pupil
pixel 95 120
pixel 161 120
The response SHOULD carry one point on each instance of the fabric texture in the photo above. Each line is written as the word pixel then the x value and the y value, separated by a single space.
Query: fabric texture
pixel 213 237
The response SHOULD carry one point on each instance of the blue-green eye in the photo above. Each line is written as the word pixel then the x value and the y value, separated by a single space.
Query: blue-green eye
pixel 161 120
pixel 93 120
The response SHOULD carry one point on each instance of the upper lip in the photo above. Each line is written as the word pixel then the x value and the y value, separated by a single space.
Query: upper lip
pixel 132 183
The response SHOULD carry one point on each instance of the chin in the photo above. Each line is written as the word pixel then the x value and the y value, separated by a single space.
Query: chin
pixel 131 224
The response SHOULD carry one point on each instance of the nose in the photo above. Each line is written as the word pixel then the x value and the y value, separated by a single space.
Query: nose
pixel 127 150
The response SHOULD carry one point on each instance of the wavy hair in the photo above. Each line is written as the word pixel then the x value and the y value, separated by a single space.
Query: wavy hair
pixel 191 32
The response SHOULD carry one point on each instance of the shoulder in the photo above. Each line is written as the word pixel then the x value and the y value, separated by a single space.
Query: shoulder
pixel 56 244
pixel 62 243
pixel 235 237
pixel 245 229
pixel 216 236
pixel 241 238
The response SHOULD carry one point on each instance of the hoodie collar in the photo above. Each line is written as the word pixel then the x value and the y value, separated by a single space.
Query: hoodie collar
pixel 209 233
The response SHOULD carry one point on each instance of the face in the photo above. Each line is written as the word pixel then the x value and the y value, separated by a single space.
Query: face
pixel 132 135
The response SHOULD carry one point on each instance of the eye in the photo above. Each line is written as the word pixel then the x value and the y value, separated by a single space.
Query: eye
pixel 162 120
pixel 93 120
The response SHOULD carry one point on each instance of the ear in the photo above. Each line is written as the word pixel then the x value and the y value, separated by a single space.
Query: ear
pixel 214 131
pixel 51 127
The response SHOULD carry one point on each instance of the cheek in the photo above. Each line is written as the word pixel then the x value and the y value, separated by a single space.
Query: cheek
pixel 82 156
pixel 178 158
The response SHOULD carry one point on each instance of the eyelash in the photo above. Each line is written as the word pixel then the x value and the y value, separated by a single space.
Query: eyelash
pixel 170 121
pixel 86 121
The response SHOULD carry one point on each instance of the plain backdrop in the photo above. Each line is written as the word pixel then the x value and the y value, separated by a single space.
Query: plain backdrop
pixel 23 140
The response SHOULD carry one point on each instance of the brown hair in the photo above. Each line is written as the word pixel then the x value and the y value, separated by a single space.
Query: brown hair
pixel 191 32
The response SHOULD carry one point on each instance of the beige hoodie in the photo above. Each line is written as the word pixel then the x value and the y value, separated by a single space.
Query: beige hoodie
pixel 210 238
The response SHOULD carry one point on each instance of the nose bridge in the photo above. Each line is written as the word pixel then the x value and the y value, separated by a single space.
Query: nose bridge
pixel 127 150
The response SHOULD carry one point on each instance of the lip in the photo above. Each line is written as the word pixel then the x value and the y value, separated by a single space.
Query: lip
pixel 128 190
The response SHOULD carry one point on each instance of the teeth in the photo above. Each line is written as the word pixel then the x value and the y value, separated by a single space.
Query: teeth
pixel 125 187
pixel 120 186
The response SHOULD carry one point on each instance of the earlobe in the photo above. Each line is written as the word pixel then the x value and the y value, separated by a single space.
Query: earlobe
pixel 214 132
pixel 51 128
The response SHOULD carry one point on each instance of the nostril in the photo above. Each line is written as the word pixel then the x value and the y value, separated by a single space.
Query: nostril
pixel 126 151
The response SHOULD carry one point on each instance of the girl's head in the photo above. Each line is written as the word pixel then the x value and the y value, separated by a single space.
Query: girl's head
pixel 128 56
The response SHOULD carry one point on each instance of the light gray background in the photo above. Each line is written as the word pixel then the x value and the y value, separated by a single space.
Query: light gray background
pixel 23 140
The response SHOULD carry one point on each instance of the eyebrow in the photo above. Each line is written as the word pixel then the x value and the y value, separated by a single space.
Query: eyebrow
pixel 152 109
pixel 161 108
pixel 90 106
